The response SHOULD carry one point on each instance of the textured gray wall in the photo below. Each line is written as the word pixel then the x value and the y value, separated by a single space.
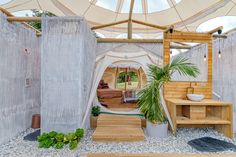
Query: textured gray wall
pixel 68 59
pixel 17 101
pixel 224 77
pixel 195 56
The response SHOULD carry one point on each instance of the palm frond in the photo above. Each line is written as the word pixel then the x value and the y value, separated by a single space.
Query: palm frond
pixel 149 97
pixel 183 67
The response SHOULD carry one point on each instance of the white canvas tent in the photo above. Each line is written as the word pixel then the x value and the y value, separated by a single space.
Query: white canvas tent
pixel 126 53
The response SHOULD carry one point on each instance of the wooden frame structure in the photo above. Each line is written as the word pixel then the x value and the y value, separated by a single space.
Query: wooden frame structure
pixel 200 87
pixel 185 113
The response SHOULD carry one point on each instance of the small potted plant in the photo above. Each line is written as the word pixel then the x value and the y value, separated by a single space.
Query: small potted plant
pixel 149 97
pixel 94 115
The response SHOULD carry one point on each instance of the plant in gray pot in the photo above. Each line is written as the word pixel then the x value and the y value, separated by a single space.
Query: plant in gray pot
pixel 94 116
pixel 150 99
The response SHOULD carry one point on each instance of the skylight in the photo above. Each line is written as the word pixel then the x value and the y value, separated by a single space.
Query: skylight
pixel 228 22
pixel 107 4
pixel 23 13
pixel 157 5
pixel 139 7
pixel 4 1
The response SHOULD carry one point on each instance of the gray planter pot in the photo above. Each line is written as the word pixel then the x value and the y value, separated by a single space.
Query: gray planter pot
pixel 157 130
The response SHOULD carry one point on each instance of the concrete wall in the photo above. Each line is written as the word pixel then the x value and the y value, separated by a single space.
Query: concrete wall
pixel 224 78
pixel 19 60
pixel 68 59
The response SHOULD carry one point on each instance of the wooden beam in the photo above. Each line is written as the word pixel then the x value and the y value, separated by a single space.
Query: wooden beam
pixel 26 24
pixel 150 25
pixel 131 9
pixel 215 30
pixel 109 24
pixel 6 12
pixel 23 19
pixel 116 40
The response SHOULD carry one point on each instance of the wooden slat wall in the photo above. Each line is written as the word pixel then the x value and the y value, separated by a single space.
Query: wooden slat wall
pixel 178 89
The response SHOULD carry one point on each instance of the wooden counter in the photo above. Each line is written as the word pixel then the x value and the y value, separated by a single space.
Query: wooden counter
pixel 207 113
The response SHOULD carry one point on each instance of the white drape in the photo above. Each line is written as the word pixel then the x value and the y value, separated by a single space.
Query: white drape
pixel 106 59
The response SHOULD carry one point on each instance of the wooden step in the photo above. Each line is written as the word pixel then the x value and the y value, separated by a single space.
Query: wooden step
pixel 118 120
pixel 118 134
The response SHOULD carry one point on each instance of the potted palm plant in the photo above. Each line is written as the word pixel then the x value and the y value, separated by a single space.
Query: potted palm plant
pixel 149 97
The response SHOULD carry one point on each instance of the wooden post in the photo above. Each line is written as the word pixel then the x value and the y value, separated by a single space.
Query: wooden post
pixel 130 19
pixel 130 29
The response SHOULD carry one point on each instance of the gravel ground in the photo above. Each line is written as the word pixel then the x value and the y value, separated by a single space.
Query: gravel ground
pixel 17 147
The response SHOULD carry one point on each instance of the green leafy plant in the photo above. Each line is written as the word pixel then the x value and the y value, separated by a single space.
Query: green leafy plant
pixel 58 140
pixel 79 133
pixel 96 111
pixel 73 144
pixel 38 13
pixel 149 97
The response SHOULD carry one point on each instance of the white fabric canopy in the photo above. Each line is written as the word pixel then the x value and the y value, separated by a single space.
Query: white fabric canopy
pixel 186 15
pixel 142 58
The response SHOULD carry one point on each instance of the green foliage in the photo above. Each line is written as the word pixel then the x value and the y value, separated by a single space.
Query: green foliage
pixel 73 144
pixel 149 97
pixel 52 134
pixel 60 137
pixel 95 111
pixel 133 75
pixel 38 13
pixel 58 145
pixel 79 133
pixel 58 140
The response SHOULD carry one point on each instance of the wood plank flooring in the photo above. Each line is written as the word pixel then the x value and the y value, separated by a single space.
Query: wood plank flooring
pixel 118 128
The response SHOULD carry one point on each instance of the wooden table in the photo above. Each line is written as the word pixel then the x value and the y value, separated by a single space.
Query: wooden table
pixel 208 112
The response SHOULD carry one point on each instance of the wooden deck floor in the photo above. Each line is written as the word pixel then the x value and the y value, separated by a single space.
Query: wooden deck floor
pixel 161 155
pixel 118 128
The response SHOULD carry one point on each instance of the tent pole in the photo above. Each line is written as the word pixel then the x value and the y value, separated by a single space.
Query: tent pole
pixel 116 77
pixel 109 24
pixel 126 78
pixel 130 19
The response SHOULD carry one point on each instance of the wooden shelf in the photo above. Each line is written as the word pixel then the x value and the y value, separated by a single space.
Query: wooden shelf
pixel 207 120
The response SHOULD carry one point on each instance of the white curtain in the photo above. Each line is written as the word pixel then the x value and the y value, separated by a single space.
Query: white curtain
pixel 68 60
pixel 19 60
pixel 155 49
pixel 105 60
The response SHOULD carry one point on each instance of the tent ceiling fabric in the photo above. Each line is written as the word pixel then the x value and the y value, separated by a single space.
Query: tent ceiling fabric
pixel 186 15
